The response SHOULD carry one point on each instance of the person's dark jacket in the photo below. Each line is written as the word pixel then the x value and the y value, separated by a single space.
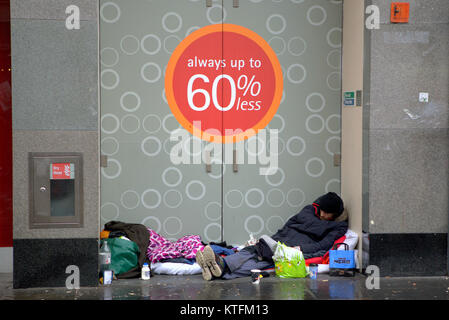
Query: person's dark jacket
pixel 137 233
pixel 308 231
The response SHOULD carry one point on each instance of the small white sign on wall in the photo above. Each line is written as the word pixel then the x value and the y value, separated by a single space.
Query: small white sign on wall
pixel 423 97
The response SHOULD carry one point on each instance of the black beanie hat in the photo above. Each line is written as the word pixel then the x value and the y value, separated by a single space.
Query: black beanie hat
pixel 331 203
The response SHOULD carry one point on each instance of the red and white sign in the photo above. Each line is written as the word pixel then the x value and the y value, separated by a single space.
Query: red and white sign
pixel 62 171
pixel 224 83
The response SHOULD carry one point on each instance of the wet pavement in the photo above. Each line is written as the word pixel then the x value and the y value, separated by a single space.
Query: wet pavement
pixel 193 287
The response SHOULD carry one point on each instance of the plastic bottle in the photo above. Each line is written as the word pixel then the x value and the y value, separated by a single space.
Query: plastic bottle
pixel 105 257
pixel 252 239
pixel 145 272
pixel 105 263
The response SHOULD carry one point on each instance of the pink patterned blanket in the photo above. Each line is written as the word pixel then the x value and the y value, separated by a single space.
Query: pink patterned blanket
pixel 160 248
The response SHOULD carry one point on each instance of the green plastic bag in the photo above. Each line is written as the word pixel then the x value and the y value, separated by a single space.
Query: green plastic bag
pixel 289 262
pixel 291 269
pixel 124 254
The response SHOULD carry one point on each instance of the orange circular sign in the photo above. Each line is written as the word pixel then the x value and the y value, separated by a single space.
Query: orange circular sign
pixel 223 83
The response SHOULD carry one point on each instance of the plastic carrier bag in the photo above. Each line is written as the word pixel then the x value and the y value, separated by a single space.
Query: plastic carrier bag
pixel 341 262
pixel 124 254
pixel 289 262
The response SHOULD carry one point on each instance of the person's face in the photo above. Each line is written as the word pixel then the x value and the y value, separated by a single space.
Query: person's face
pixel 326 216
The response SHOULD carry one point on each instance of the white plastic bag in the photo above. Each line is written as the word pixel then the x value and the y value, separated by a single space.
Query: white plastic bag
pixel 252 241
pixel 284 252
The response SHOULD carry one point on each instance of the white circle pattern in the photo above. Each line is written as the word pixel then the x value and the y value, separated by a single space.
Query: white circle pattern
pixel 156 128
pixel 165 226
pixel 177 16
pixel 326 188
pixel 335 76
pixel 262 224
pixel 319 22
pixel 114 141
pixel 280 40
pixel 222 170
pixel 195 197
pixel 102 53
pixel 117 123
pixel 328 59
pixel 328 37
pixel 154 65
pixel 290 44
pixel 206 232
pixel 154 205
pixel 116 81
pixel 126 108
pixel 281 180
pixel 327 144
pixel 257 204
pixel 119 169
pixel 328 126
pixel 112 20
pixel 209 10
pixel 158 44
pixel 269 222
pixel 125 119
pixel 294 153
pixel 164 120
pixel 295 204
pixel 154 153
pixel 164 178
pixel 295 66
pixel 278 16
pixel 233 205
pixel 321 162
pixel 159 225
pixel 117 209
pixel 323 102
pixel 207 214
pixel 122 201
pixel 126 50
pixel 315 116
pixel 270 202
pixel 167 40
pixel 167 195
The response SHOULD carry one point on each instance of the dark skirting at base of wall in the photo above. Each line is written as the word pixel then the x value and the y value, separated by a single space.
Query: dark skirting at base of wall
pixel 43 262
pixel 409 254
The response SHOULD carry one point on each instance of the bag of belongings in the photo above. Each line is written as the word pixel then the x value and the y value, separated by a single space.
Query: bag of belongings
pixel 124 254
pixel 289 262
pixel 341 262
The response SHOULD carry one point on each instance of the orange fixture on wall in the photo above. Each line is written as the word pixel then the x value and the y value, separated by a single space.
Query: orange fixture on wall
pixel 400 12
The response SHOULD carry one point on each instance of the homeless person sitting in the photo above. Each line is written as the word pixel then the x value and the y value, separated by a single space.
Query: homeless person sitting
pixel 313 229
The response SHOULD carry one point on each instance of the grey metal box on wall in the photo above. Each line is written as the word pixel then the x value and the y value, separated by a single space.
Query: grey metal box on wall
pixel 55 190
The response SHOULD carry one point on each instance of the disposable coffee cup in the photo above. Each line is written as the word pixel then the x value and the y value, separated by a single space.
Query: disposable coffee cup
pixel 313 270
pixel 256 274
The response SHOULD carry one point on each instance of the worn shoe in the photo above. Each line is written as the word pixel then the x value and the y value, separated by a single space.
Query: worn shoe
pixel 207 275
pixel 213 261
